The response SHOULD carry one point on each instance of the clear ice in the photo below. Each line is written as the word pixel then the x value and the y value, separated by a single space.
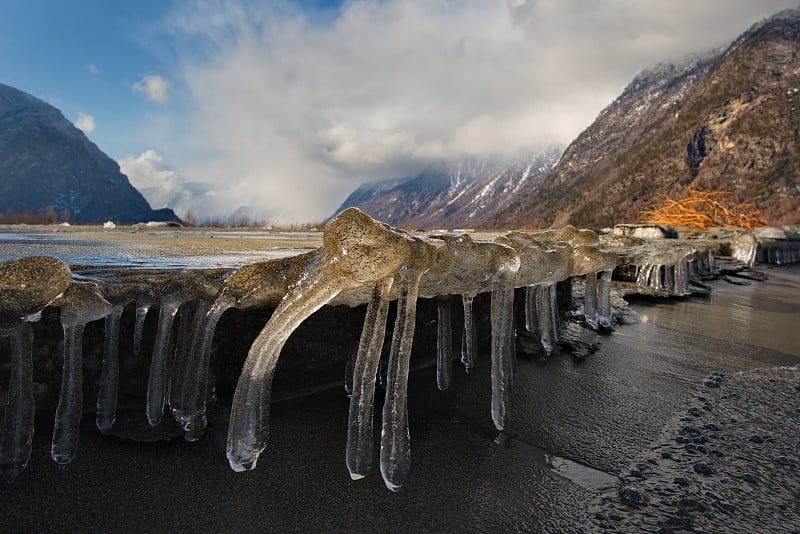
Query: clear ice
pixel 362 261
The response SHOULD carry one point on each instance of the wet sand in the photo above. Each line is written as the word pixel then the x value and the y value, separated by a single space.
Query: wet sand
pixel 578 425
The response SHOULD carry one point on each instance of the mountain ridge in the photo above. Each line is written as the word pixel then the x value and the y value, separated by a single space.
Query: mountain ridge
pixel 48 163
pixel 725 120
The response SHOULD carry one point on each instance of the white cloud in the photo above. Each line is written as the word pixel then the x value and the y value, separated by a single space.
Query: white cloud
pixel 93 68
pixel 162 187
pixel 85 123
pixel 154 87
pixel 293 110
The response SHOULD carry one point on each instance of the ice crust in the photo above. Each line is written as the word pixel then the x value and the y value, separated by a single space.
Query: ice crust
pixel 362 261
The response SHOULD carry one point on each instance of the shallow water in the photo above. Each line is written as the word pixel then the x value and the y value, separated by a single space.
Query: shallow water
pixel 140 247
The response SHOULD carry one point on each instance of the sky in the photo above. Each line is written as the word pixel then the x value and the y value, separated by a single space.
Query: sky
pixel 281 108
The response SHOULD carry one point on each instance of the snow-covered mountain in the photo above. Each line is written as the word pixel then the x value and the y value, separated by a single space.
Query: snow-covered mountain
pixel 727 120
pixel 456 194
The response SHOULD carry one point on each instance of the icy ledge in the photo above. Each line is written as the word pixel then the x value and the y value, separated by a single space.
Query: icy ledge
pixel 362 261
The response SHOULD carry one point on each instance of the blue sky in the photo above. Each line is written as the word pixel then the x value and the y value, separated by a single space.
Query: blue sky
pixel 283 107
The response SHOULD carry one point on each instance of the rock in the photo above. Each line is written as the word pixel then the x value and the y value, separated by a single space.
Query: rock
pixel 747 477
pixel 632 495
pixel 702 468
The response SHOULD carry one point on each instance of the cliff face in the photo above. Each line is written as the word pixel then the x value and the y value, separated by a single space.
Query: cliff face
pixel 45 161
pixel 724 121
pixel 453 194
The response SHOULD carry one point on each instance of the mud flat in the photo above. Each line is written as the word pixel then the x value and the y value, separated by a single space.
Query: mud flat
pixel 574 457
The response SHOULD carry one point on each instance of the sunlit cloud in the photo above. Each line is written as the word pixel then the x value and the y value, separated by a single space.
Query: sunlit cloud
pixel 92 68
pixel 85 123
pixel 291 112
pixel 154 87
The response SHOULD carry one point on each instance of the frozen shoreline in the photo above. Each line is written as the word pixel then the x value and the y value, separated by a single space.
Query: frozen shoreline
pixel 597 411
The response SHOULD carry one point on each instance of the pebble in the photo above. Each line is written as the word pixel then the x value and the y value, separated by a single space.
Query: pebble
pixel 783 460
pixel 681 481
pixel 747 477
pixel 755 438
pixel 633 495
pixel 702 468
pixel 710 383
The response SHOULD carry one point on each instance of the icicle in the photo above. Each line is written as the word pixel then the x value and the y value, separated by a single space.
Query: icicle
pixel 444 345
pixel 80 304
pixel 469 338
pixel 643 273
pixel 141 315
pixel 669 278
pixel 358 454
pixel 395 438
pixel 109 376
pixel 249 425
pixel 502 348
pixel 350 365
pixel 530 309
pixel 682 277
pixel 555 322
pixel 604 299
pixel 17 432
pixel 590 300
pixel 158 379
pixel 70 401
pixel 190 378
pixel 545 317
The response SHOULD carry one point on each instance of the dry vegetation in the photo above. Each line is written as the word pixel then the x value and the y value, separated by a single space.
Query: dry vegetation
pixel 704 209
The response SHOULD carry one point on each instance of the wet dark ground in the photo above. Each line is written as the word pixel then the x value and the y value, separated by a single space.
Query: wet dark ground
pixel 585 451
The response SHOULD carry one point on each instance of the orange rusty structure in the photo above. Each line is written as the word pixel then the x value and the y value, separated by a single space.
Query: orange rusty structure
pixel 704 209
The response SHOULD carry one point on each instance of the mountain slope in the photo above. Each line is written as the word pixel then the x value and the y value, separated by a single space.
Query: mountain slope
pixel 451 194
pixel 45 161
pixel 728 121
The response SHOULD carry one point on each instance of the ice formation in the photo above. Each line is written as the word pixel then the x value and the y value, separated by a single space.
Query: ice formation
pixel 362 262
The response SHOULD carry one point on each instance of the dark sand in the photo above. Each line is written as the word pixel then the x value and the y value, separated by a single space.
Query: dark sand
pixel 578 425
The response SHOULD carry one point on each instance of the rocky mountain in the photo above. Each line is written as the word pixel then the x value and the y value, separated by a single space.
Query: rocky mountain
pixel 452 194
pixel 728 120
pixel 46 162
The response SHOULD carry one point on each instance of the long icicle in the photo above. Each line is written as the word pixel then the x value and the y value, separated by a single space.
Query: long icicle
pixel 70 401
pixel 17 432
pixel 395 438
pixel 530 309
pixel 159 366
pixel 590 300
pixel 138 330
pixel 359 450
pixel 109 376
pixel 469 338
pixel 444 342
pixel 544 315
pixel 502 348
pixel 249 425
pixel 604 299
pixel 555 322
pixel 188 402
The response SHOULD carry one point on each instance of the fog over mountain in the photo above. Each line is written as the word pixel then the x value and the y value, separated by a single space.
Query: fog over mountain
pixel 290 110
